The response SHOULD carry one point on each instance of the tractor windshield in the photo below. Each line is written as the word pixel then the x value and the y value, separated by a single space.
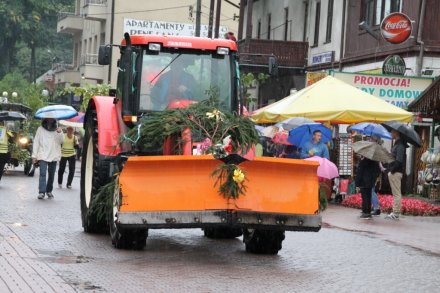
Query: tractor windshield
pixel 172 79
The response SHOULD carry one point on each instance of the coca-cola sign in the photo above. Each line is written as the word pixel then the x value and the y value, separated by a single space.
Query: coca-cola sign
pixel 396 28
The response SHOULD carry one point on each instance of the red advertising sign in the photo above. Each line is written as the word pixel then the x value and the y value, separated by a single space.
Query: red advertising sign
pixel 396 28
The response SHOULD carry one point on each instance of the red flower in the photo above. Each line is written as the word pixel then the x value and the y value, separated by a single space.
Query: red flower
pixel 228 148
pixel 410 206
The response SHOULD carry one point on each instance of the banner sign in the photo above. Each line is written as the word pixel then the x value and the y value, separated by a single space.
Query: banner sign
pixel 149 27
pixel 399 91
pixel 312 77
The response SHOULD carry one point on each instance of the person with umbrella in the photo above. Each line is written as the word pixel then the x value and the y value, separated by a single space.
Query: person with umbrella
pixel 402 134
pixel 395 173
pixel 46 153
pixel 366 176
pixel 368 170
pixel 315 147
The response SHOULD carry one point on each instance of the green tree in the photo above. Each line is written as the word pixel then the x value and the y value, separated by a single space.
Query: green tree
pixel 87 92
pixel 31 23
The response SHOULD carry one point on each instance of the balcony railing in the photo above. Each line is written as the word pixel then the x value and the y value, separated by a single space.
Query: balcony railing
pixel 59 67
pixel 89 59
pixel 96 2
pixel 289 54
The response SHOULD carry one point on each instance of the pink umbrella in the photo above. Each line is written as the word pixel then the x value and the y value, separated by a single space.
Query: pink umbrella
pixel 326 169
pixel 281 138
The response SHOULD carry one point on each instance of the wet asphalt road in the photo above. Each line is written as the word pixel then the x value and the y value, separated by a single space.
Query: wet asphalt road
pixel 331 260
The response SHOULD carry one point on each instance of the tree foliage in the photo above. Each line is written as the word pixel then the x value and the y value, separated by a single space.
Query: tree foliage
pixel 87 92
pixel 31 24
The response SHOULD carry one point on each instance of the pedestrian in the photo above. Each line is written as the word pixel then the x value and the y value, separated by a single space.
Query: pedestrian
pixel 315 147
pixel 395 173
pixel 366 176
pixel 374 198
pixel 5 156
pixel 68 154
pixel 46 153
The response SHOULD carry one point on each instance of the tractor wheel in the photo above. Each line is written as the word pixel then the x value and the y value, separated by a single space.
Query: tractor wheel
pixel 94 174
pixel 125 239
pixel 27 166
pixel 263 241
pixel 222 232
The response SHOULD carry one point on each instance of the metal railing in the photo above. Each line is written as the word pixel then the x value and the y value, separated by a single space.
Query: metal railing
pixel 95 2
pixel 59 67
pixel 89 59
pixel 292 54
pixel 63 15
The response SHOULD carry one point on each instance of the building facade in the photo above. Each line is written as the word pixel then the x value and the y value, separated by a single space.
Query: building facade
pixel 98 22
pixel 343 35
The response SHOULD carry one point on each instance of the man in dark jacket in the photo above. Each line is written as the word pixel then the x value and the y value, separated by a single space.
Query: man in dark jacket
pixel 395 173
pixel 366 176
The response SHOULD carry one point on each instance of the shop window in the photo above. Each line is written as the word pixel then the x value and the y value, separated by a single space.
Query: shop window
pixel 259 29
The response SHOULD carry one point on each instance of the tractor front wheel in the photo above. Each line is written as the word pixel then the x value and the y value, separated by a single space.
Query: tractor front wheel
pixel 94 175
pixel 124 239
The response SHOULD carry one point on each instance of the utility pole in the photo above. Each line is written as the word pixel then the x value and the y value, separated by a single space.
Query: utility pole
pixel 211 18
pixel 218 11
pixel 198 16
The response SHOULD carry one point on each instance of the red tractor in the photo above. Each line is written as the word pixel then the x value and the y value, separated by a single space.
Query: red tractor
pixel 157 189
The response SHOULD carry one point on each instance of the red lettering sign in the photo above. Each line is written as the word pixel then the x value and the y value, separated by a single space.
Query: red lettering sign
pixel 396 28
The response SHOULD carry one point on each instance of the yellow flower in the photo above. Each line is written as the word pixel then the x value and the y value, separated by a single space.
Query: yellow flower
pixel 215 114
pixel 238 175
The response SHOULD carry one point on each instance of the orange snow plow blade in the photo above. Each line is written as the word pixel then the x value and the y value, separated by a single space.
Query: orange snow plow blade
pixel 183 183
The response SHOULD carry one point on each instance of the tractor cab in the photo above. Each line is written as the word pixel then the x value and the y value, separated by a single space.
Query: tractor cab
pixel 160 72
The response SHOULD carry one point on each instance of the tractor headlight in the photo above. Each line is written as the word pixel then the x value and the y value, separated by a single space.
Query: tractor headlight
pixel 23 140
pixel 222 50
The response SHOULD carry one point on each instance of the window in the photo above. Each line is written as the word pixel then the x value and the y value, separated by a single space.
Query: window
pixel 259 29
pixel 286 22
pixel 317 17
pixel 328 32
pixel 268 25
pixel 374 11
pixel 368 11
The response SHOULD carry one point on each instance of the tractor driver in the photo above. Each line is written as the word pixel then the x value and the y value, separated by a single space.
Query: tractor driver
pixel 175 84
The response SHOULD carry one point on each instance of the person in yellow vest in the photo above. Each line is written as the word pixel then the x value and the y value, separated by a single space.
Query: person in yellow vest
pixel 4 150
pixel 68 154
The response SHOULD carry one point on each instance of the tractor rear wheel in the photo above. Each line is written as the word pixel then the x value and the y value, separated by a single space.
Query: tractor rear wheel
pixel 263 241
pixel 94 174
pixel 222 232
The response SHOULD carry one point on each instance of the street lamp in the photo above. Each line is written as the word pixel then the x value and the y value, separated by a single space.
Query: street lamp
pixel 4 97
pixel 14 95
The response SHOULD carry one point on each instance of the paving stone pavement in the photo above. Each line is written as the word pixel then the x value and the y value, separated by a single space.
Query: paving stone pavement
pixel 43 249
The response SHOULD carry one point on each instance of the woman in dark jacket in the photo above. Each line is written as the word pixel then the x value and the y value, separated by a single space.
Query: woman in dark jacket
pixel 366 176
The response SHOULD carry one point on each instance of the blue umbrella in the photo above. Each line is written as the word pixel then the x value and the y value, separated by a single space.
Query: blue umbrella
pixel 56 112
pixel 303 134
pixel 371 129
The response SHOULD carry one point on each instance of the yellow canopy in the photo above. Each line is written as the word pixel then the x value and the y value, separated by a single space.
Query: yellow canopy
pixel 334 101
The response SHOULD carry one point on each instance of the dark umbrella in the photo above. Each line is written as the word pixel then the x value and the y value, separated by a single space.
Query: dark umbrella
pixel 406 133
pixel 11 116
